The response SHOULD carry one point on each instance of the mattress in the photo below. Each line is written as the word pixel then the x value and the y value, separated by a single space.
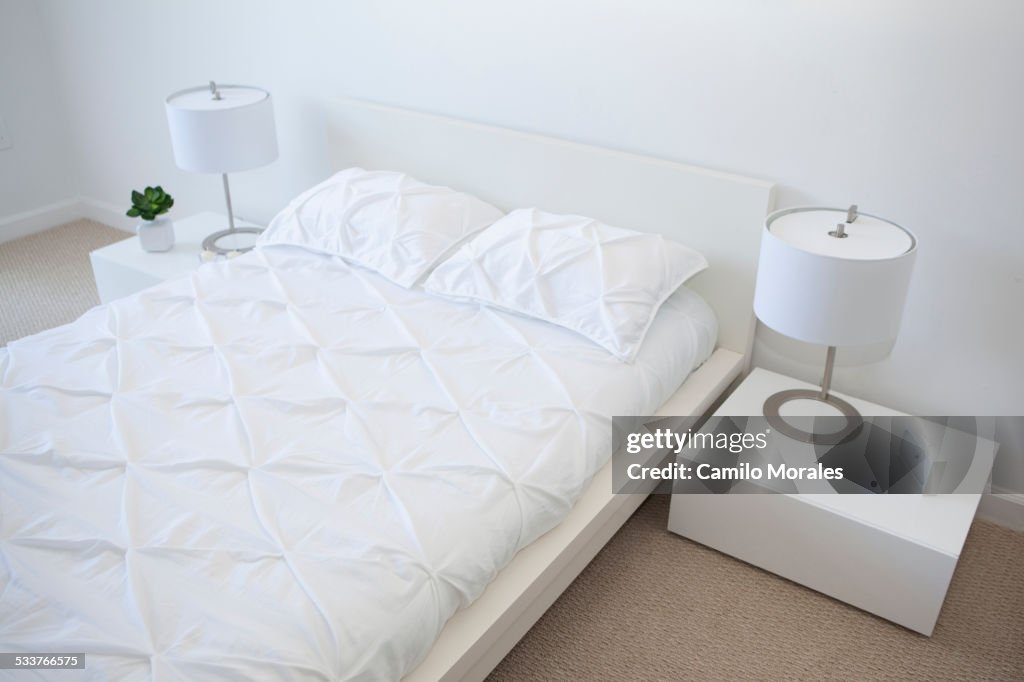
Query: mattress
pixel 286 467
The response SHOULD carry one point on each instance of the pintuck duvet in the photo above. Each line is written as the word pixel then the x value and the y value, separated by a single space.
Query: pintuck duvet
pixel 286 467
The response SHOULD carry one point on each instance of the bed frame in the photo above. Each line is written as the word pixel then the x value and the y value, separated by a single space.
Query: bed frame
pixel 716 213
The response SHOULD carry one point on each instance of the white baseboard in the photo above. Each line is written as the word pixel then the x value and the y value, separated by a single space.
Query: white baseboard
pixel 58 213
pixel 39 219
pixel 105 213
pixel 1006 509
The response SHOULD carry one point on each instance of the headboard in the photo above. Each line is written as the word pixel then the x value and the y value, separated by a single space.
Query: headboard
pixel 719 214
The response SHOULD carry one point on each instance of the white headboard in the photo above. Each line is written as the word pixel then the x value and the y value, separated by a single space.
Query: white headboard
pixel 719 214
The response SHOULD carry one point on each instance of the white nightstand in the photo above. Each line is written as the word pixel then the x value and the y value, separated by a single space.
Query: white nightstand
pixel 892 555
pixel 124 268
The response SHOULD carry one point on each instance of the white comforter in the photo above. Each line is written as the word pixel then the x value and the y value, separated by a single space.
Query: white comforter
pixel 284 467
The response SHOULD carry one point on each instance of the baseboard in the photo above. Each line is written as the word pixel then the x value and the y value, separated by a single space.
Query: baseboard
pixel 39 219
pixel 60 212
pixel 105 213
pixel 1006 509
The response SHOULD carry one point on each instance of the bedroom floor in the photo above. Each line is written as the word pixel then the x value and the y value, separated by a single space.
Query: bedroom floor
pixel 653 605
pixel 46 278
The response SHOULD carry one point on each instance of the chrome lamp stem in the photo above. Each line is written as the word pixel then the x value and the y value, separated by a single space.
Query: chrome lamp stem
pixel 227 200
pixel 826 380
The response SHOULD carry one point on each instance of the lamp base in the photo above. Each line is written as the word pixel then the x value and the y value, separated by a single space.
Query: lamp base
pixel 232 240
pixel 854 421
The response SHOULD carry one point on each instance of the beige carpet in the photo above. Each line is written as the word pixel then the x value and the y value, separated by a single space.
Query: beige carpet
pixel 46 278
pixel 654 606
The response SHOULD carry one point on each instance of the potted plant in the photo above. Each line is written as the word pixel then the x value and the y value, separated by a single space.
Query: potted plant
pixel 156 233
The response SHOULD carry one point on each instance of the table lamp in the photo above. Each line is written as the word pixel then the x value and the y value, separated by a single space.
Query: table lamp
pixel 835 278
pixel 223 129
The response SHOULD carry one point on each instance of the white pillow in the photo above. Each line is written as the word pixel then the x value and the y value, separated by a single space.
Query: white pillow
pixel 604 282
pixel 382 220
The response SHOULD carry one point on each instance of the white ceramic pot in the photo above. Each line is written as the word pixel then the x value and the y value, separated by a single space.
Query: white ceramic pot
pixel 156 235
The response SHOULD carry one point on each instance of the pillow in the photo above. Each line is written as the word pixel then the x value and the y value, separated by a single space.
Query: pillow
pixel 382 220
pixel 604 282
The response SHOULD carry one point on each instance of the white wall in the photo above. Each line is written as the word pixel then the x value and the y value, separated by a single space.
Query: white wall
pixel 914 110
pixel 35 171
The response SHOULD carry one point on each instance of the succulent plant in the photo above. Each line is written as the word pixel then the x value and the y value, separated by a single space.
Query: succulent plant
pixel 150 203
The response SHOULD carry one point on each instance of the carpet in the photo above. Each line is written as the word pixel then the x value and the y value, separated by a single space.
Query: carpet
pixel 655 606
pixel 46 278
pixel 652 605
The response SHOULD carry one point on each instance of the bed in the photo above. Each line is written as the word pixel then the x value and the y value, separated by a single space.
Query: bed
pixel 201 481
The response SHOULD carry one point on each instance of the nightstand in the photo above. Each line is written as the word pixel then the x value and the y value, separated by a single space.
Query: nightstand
pixel 123 268
pixel 891 555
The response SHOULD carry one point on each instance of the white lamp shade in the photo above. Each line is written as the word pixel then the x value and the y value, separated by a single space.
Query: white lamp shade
pixel 833 291
pixel 233 133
